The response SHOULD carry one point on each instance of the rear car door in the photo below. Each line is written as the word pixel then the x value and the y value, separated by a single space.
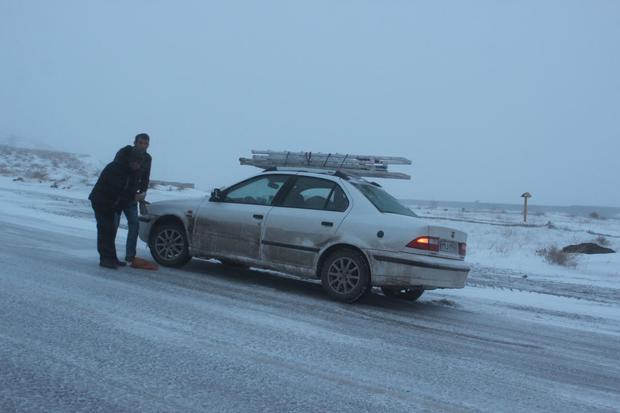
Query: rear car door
pixel 231 227
pixel 303 221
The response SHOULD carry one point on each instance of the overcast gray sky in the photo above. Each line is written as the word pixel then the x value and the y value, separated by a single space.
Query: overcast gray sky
pixel 488 98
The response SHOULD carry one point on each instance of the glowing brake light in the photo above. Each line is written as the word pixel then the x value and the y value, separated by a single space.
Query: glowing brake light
pixel 462 249
pixel 425 243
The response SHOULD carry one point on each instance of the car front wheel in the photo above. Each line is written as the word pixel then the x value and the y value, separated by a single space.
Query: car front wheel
pixel 345 275
pixel 169 246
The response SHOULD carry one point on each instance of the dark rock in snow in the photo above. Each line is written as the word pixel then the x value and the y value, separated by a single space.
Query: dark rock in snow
pixel 587 248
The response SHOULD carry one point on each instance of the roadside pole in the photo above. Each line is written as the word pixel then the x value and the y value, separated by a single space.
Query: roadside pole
pixel 525 196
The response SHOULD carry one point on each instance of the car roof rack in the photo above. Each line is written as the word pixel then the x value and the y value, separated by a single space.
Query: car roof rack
pixel 348 164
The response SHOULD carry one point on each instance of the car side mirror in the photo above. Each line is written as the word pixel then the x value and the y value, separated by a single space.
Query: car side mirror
pixel 216 195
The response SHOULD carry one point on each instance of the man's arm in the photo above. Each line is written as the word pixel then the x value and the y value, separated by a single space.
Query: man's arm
pixel 146 175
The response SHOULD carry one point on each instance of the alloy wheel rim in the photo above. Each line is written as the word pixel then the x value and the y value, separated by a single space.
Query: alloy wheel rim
pixel 169 244
pixel 343 275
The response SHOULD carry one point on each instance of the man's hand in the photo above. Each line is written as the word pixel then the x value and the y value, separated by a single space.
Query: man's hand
pixel 140 197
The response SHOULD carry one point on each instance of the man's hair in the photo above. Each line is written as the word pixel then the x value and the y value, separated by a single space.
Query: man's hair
pixel 142 136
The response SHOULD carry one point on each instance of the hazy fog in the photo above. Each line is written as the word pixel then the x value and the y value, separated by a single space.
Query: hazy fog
pixel 488 98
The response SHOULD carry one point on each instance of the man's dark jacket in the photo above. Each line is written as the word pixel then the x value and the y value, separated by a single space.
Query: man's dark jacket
pixel 144 174
pixel 116 187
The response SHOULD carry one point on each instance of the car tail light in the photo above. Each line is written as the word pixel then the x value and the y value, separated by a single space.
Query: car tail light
pixel 425 243
pixel 462 249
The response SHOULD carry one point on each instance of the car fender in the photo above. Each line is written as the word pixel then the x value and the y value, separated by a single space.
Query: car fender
pixel 178 210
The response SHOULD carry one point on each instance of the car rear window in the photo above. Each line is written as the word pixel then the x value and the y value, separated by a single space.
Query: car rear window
pixel 383 201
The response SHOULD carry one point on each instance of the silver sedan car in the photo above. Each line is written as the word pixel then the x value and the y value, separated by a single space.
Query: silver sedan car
pixel 343 230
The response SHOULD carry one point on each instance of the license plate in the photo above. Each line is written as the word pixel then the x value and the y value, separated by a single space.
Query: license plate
pixel 450 247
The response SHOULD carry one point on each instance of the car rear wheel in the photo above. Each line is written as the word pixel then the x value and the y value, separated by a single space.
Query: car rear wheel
pixel 345 275
pixel 169 246
pixel 405 293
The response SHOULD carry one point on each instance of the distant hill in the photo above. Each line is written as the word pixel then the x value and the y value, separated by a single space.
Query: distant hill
pixel 59 168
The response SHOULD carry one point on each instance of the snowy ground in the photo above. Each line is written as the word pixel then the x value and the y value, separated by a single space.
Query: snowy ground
pixel 524 335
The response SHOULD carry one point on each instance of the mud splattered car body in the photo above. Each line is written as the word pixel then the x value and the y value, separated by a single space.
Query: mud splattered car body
pixel 345 230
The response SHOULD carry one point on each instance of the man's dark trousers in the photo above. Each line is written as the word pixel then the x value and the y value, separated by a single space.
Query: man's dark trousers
pixel 106 233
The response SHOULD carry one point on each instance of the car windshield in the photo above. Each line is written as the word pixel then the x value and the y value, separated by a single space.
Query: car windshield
pixel 383 201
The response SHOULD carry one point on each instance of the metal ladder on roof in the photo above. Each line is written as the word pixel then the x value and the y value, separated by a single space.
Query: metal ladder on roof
pixel 357 165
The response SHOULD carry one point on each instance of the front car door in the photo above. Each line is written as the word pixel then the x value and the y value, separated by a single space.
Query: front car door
pixel 302 222
pixel 231 226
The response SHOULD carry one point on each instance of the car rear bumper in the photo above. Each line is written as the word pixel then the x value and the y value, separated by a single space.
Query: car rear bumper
pixel 389 269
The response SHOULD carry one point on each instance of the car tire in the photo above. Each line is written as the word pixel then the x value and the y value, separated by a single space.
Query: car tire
pixel 345 275
pixel 169 246
pixel 404 293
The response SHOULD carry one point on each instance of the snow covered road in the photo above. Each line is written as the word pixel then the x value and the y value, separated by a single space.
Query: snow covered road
pixel 77 337
pixel 74 336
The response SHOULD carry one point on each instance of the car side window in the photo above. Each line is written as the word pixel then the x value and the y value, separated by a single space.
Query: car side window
pixel 309 193
pixel 337 200
pixel 258 191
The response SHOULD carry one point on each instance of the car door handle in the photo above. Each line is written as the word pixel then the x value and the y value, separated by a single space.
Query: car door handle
pixel 327 224
pixel 258 216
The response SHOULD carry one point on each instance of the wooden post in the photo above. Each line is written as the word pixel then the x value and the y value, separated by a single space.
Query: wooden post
pixel 525 196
